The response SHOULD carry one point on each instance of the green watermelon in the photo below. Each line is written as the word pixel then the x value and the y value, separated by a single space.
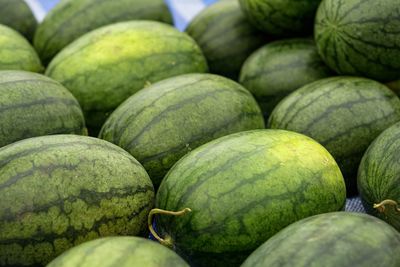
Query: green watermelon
pixel 71 19
pixel 61 190
pixel 122 251
pixel 344 114
pixel 282 17
pixel 225 36
pixel 33 105
pixel 106 66
pixel 265 72
pixel 160 124
pixel 242 189
pixel 360 37
pixel 16 53
pixel 379 177
pixel 18 15
pixel 331 240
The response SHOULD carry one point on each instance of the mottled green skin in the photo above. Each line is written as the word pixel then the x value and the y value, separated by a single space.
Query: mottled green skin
pixel 16 53
pixel 344 114
pixel 122 251
pixel 163 122
pixel 59 191
pixel 281 17
pixel 71 19
pixel 17 15
pixel 244 188
pixel 34 105
pixel 108 65
pixel 266 72
pixel 330 240
pixel 225 36
pixel 360 37
pixel 379 175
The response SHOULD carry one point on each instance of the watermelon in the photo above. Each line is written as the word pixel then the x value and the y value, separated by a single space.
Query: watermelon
pixel 33 105
pixel 281 17
pixel 265 72
pixel 106 66
pixel 16 53
pixel 344 114
pixel 331 240
pixel 360 37
pixel 122 251
pixel 242 189
pixel 379 177
pixel 71 19
pixel 61 190
pixel 160 124
pixel 225 36
pixel 17 15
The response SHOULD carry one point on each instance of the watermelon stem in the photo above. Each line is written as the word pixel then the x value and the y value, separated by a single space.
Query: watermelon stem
pixel 381 206
pixel 167 241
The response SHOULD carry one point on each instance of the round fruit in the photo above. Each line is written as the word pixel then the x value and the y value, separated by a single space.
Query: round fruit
pixel 16 53
pixel 360 37
pixel 108 65
pixel 119 251
pixel 242 189
pixel 379 177
pixel 344 114
pixel 331 240
pixel 282 17
pixel 33 105
pixel 61 190
pixel 160 124
pixel 265 72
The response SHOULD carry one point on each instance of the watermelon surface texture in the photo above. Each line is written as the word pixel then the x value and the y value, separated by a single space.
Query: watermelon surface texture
pixel 379 176
pixel 59 191
pixel 18 15
pixel 282 17
pixel 242 189
pixel 265 72
pixel 122 251
pixel 344 114
pixel 360 37
pixel 16 53
pixel 163 122
pixel 106 66
pixel 331 240
pixel 33 105
pixel 70 19
pixel 225 36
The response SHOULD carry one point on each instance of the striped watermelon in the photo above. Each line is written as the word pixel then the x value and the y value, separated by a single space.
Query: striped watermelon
pixel 33 105
pixel 379 177
pixel 331 240
pixel 344 114
pixel 106 66
pixel 61 190
pixel 71 19
pixel 242 189
pixel 160 124
pixel 360 37
pixel 282 17
pixel 16 53
pixel 225 36
pixel 119 251
pixel 265 72
pixel 17 15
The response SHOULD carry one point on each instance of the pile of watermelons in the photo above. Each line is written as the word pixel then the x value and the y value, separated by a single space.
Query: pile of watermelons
pixel 184 154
